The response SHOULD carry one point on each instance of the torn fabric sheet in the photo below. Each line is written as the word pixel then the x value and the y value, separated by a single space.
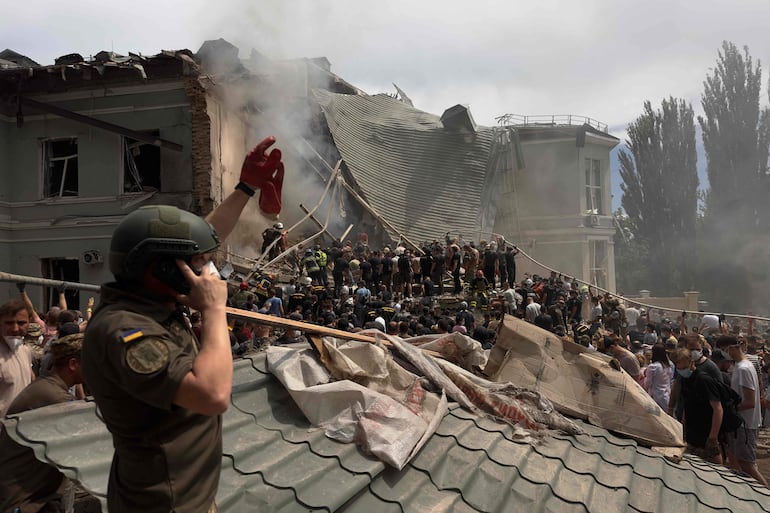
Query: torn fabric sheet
pixel 509 403
pixel 386 411
pixel 455 347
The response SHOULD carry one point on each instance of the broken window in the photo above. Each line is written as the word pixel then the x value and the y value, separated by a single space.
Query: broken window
pixel 593 187
pixel 61 167
pixel 598 263
pixel 141 165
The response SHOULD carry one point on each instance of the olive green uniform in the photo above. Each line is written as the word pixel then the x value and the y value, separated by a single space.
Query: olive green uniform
pixel 135 355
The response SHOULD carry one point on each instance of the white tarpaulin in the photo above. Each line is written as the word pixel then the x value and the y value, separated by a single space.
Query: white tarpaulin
pixel 386 410
pixel 455 347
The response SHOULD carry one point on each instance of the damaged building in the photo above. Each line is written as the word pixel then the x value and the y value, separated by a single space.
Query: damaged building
pixel 84 141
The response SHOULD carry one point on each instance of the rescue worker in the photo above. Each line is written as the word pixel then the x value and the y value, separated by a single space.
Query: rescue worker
pixel 160 392
pixel 311 267
pixel 479 287
pixel 273 234
pixel 322 258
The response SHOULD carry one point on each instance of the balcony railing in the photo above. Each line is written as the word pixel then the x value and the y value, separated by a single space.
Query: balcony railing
pixel 550 120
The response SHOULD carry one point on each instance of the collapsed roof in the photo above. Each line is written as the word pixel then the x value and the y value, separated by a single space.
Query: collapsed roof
pixel 421 173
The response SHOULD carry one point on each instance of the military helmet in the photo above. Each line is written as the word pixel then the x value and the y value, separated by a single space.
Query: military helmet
pixel 156 231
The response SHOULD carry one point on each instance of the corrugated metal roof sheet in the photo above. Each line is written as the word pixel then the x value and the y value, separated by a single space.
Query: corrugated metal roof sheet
pixel 415 173
pixel 275 461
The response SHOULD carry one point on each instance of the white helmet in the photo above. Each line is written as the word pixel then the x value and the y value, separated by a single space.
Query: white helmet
pixel 307 281
pixel 278 226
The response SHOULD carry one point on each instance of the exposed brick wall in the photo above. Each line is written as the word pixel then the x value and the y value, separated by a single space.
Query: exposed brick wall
pixel 201 146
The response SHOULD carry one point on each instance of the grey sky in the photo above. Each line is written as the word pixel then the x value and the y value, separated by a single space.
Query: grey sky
pixel 600 59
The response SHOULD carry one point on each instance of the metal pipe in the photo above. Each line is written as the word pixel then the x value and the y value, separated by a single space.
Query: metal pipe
pixel 364 204
pixel 317 222
pixel 314 236
pixel 17 278
pixel 320 201
pixel 634 301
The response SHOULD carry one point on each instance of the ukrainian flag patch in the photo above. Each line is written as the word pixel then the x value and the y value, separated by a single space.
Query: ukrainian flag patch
pixel 131 335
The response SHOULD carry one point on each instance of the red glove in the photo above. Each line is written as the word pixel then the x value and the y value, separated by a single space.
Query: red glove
pixel 270 195
pixel 265 172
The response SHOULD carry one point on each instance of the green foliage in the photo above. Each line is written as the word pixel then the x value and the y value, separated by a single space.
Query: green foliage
pixel 660 187
pixel 631 256
pixel 736 217
pixel 736 134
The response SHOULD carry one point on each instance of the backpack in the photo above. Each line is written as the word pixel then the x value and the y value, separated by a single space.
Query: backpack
pixel 730 399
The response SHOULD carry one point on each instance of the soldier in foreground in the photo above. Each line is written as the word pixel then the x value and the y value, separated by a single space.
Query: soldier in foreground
pixel 161 392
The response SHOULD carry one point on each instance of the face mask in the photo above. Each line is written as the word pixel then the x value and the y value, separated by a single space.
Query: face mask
pixel 685 373
pixel 695 355
pixel 210 268
pixel 14 342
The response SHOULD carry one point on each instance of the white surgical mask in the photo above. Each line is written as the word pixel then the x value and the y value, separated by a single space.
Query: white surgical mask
pixel 211 268
pixel 13 341
pixel 695 355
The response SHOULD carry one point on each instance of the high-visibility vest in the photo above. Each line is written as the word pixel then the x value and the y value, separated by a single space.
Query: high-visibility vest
pixel 320 258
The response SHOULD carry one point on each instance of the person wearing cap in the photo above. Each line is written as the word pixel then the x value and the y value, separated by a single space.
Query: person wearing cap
pixel 26 482
pixel 667 334
pixel 742 443
pixel 273 236
pixel 34 340
pixel 724 362
pixel 309 264
pixel 242 297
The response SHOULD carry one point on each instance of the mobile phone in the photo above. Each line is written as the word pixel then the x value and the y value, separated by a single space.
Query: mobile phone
pixel 168 272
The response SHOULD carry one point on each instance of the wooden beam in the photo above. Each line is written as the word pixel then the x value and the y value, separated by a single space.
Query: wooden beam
pixel 313 329
pixel 98 123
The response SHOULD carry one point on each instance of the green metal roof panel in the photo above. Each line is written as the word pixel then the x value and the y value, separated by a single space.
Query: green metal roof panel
pixel 275 461
pixel 414 172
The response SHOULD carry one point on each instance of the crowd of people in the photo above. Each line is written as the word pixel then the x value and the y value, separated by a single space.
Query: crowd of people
pixel 681 367
pixel 156 353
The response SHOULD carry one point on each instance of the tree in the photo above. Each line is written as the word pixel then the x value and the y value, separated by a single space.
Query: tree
pixel 736 137
pixel 631 256
pixel 660 187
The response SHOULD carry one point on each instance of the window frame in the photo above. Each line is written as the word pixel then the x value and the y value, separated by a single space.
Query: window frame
pixel 593 186
pixel 128 176
pixel 47 159
pixel 598 271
